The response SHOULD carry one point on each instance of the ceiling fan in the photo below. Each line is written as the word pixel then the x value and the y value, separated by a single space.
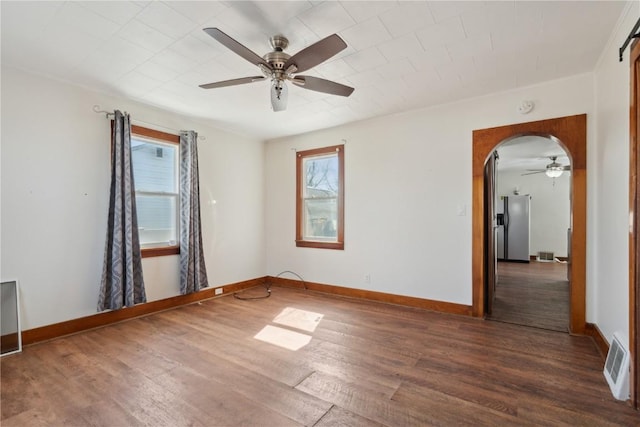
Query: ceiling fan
pixel 279 66
pixel 552 170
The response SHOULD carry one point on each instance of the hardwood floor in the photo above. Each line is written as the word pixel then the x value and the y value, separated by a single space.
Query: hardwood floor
pixel 367 364
pixel 532 294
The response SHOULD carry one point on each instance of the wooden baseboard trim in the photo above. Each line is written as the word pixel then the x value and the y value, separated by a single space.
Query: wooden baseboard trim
pixel 44 333
pixel 441 306
pixel 593 331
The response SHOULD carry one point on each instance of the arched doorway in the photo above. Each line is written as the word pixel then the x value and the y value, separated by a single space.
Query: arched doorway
pixel 571 132
pixel 530 220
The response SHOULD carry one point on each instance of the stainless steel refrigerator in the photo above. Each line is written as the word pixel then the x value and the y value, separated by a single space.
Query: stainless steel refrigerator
pixel 512 217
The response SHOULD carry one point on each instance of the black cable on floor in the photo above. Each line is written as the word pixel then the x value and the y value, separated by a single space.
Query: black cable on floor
pixel 268 286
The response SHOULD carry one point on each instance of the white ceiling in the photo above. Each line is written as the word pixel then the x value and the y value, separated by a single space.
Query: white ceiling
pixel 527 153
pixel 400 55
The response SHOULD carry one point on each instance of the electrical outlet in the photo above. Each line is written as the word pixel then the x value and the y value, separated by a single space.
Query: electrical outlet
pixel 367 278
pixel 219 291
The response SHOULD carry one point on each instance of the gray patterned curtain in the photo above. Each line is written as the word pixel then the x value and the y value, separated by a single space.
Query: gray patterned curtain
pixel 122 284
pixel 193 274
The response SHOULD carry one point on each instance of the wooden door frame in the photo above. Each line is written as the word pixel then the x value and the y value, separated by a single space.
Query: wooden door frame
pixel 571 133
pixel 634 226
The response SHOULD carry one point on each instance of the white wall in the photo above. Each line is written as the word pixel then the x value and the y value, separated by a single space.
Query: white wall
pixel 550 209
pixel 55 183
pixel 610 159
pixel 407 176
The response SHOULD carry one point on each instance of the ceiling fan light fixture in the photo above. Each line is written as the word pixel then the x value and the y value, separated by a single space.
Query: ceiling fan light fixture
pixel 553 172
pixel 279 95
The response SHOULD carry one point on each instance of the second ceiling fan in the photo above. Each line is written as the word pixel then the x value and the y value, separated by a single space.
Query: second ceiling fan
pixel 552 170
pixel 279 66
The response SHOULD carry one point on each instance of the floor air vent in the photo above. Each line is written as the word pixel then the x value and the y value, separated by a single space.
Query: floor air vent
pixel 545 256
pixel 616 368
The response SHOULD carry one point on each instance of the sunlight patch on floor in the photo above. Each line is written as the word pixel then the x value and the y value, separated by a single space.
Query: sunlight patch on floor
pixel 283 337
pixel 294 318
pixel 299 319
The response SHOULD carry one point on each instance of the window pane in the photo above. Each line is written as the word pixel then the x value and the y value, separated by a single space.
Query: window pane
pixel 320 219
pixel 154 166
pixel 157 219
pixel 320 198
pixel 321 175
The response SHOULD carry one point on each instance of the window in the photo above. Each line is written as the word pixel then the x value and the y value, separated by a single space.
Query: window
pixel 320 198
pixel 155 157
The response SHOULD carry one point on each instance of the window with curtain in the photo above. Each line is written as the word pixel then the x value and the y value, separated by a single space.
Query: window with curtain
pixel 320 198
pixel 156 158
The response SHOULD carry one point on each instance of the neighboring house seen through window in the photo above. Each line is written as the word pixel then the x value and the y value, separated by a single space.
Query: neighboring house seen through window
pixel 155 157
pixel 320 198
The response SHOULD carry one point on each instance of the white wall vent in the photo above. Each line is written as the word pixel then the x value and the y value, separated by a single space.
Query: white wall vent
pixel 545 256
pixel 616 367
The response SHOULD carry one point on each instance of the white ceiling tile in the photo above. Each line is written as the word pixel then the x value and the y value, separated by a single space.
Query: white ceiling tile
pixel 343 112
pixel 494 16
pixel 144 36
pixel 157 72
pixel 75 17
pixel 485 86
pixel 270 16
pixel 194 49
pixel 334 69
pixel 136 84
pixel 166 20
pixel 97 44
pixel 402 47
pixel 237 64
pixel 101 68
pixel 215 70
pixel 34 17
pixel 183 89
pixel 174 61
pixel 507 42
pixel 299 35
pixel 529 16
pixel 581 62
pixel 505 62
pixel 454 70
pixel 193 79
pixel 198 11
pixel 243 29
pixel 366 34
pixel 446 32
pixel 365 59
pixel 430 58
pixel 124 51
pixel 406 17
pixel 63 46
pixel 366 78
pixel 424 79
pixel 362 10
pixel 395 69
pixel 536 75
pixel 442 10
pixel 477 46
pixel 119 12
pixel 326 18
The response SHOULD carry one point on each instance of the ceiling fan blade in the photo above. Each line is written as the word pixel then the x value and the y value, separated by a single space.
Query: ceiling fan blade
pixel 232 82
pixel 316 54
pixel 532 173
pixel 322 85
pixel 236 47
pixel 566 168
